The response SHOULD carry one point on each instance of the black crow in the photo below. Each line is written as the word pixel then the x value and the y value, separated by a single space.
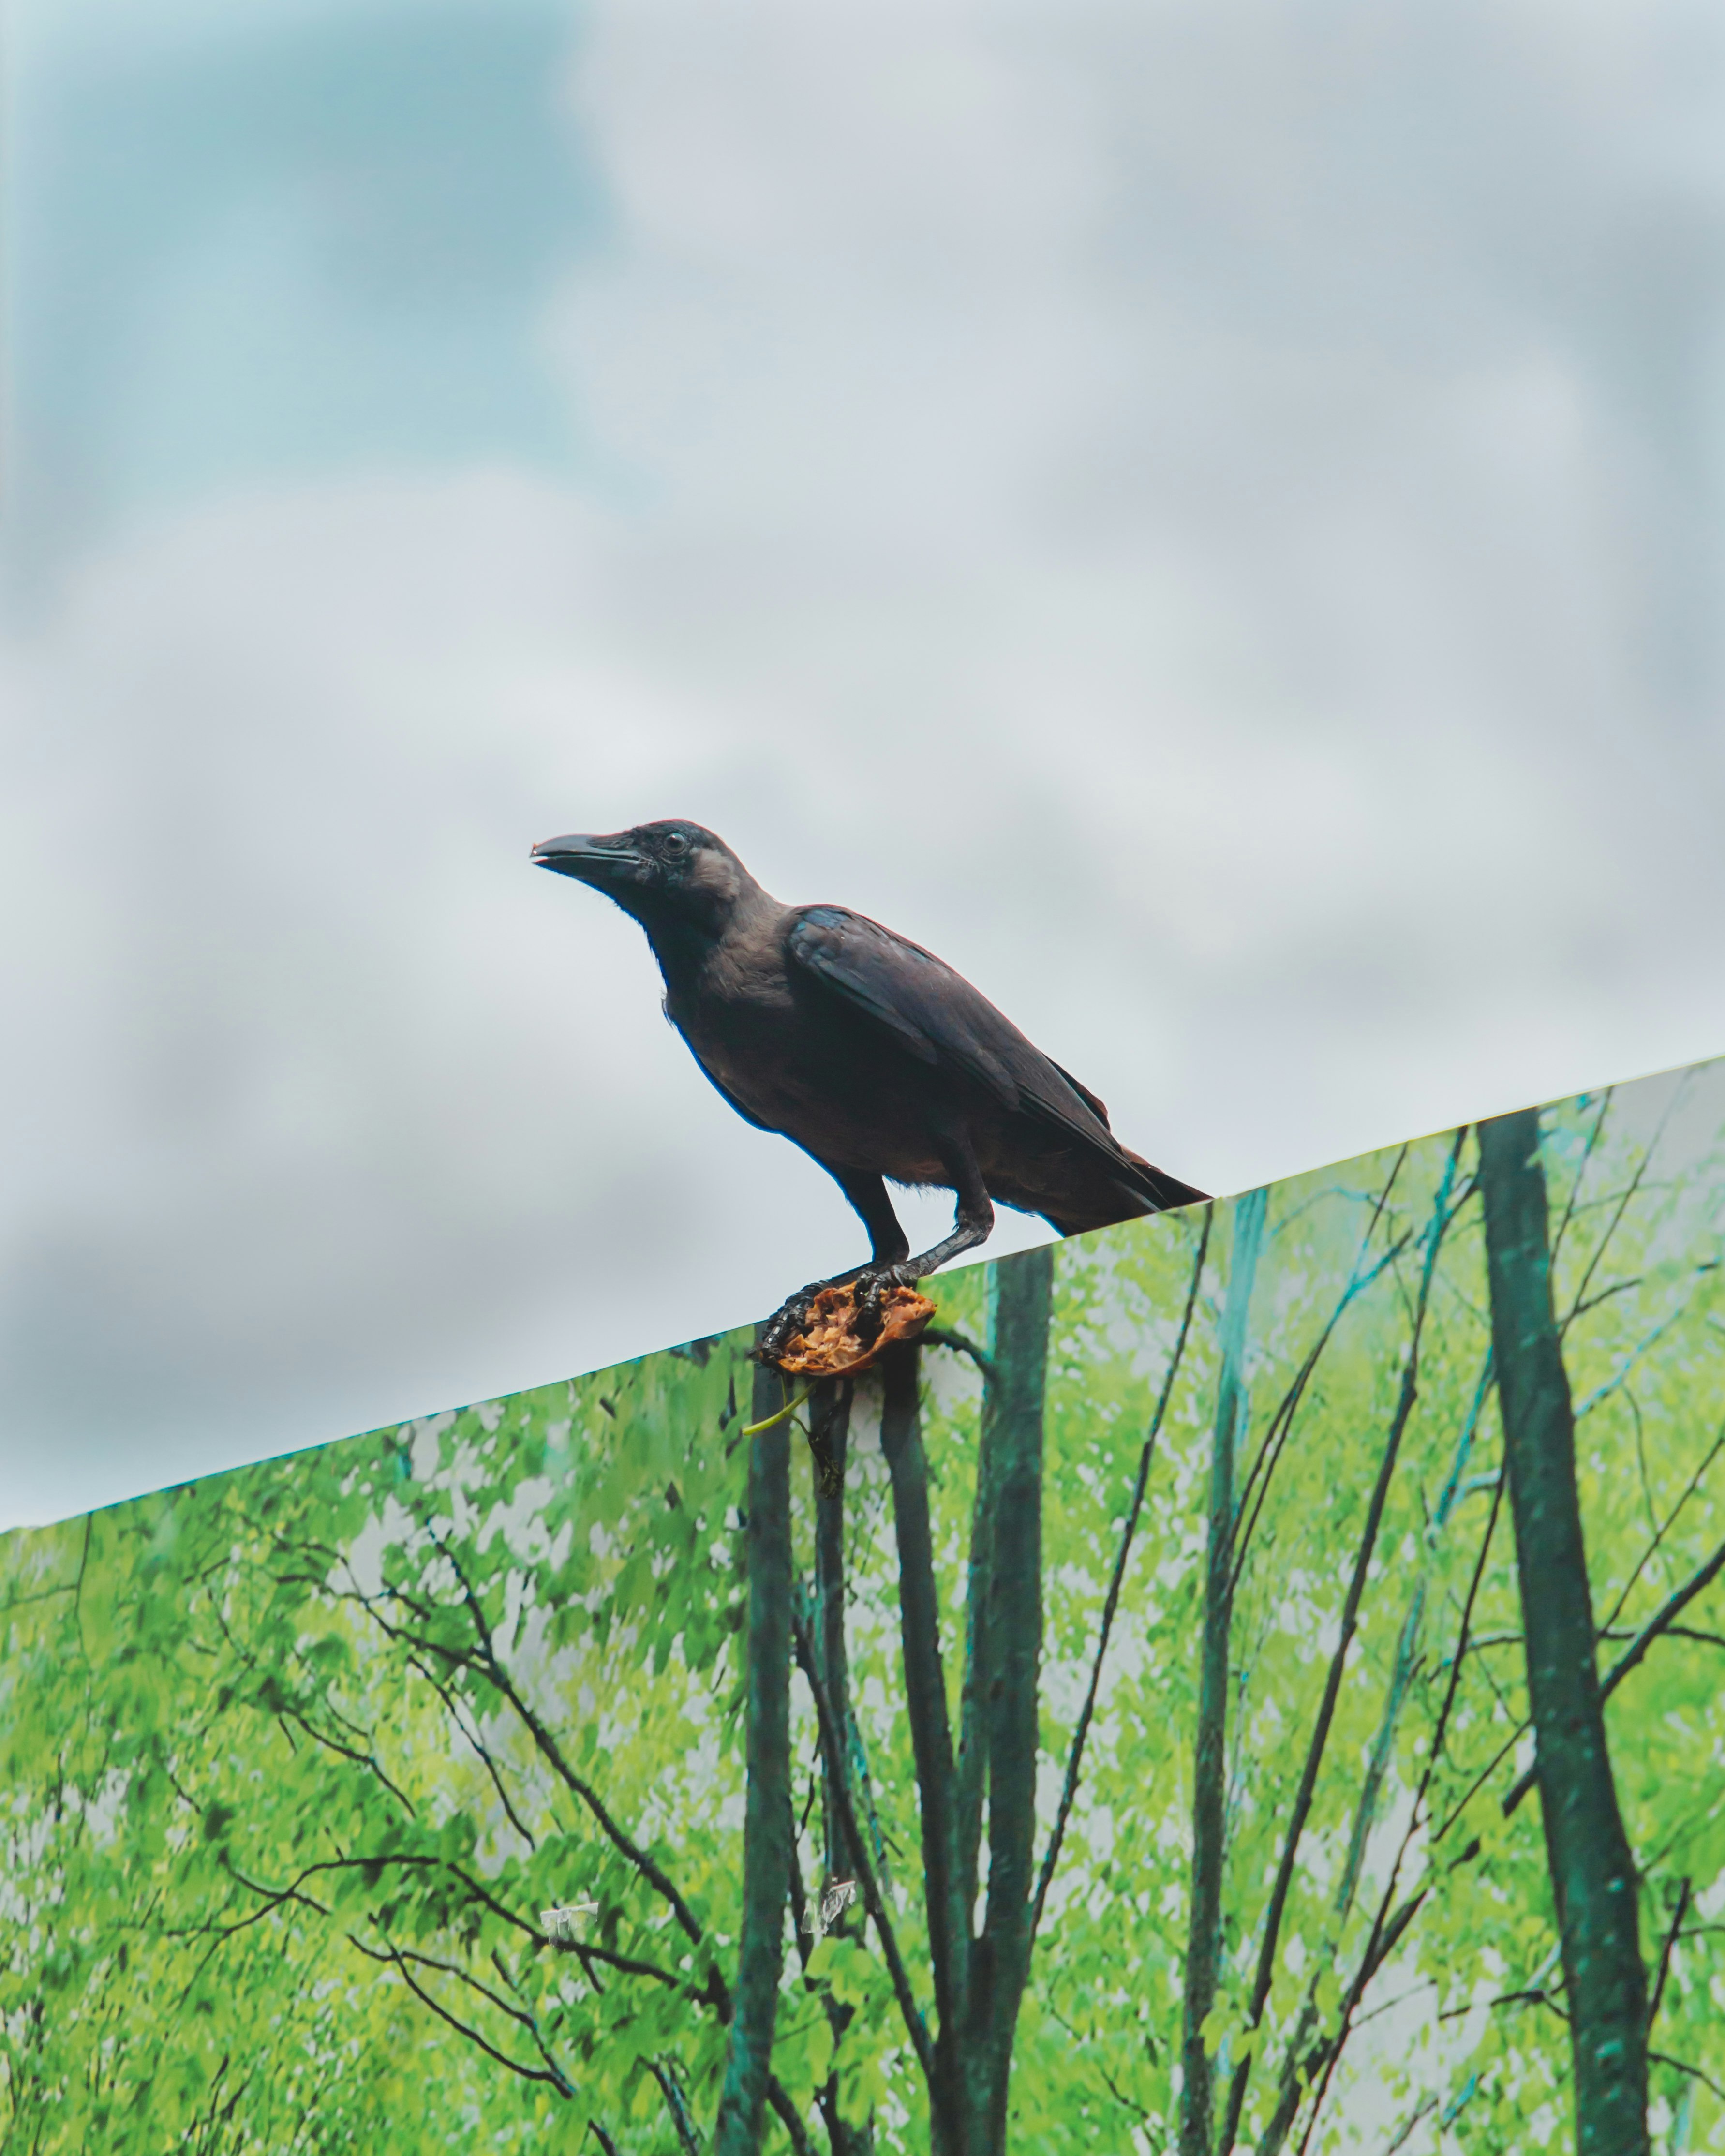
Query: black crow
pixel 866 1051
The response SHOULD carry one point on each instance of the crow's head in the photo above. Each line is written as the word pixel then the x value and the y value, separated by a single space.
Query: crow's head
pixel 670 876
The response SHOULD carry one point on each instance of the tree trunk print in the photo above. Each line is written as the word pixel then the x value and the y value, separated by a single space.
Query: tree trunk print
pixel 830 1428
pixel 978 1978
pixel 1020 1290
pixel 1593 1876
pixel 1204 1943
pixel 766 1834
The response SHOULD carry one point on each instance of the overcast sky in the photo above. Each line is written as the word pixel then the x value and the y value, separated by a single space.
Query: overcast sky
pixel 1209 518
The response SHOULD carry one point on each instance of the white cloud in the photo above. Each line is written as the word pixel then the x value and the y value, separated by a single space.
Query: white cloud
pixel 1169 516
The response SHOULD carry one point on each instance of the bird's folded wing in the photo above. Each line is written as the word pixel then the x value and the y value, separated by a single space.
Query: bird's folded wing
pixel 939 1017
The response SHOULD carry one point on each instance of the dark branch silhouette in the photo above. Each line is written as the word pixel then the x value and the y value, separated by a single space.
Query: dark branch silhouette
pixel 874 1901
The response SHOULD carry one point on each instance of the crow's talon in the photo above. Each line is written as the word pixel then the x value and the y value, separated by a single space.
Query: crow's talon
pixel 786 1323
pixel 776 1335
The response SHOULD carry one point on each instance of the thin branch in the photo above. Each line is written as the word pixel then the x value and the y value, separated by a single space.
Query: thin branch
pixel 1076 1751
pixel 1626 1364
pixel 1485 1775
pixel 411 1860
pixel 1663 1621
pixel 1318 1744
pixel 14 1602
pixel 1389 2005
pixel 462 1976
pixel 1604 1295
pixel 628 1966
pixel 1388 1926
pixel 1279 1428
pixel 1256 1486
pixel 939 1336
pixel 1647 1555
pixel 673 2103
pixel 1120 2096
pixel 1593 1139
pixel 789 2116
pixel 548 1745
pixel 509 1977
pixel 366 1760
pixel 1664 1958
pixel 553 1753
pixel 452 1706
pixel 1635 1184
pixel 1631 1657
pixel 1682 2067
pixel 289 1710
pixel 557 2081
pixel 1690 1632
pixel 1422 2110
pixel 1453 1490
pixel 839 1783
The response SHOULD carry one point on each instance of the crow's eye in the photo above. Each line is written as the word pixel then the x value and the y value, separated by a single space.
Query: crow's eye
pixel 675 843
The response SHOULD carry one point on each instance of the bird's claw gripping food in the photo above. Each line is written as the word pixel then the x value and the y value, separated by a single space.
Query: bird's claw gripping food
pixel 841 1330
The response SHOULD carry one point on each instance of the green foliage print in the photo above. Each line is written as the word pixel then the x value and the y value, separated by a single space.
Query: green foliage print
pixel 294 1759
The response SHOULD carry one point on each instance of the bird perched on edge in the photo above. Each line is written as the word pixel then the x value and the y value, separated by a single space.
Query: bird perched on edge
pixel 880 1062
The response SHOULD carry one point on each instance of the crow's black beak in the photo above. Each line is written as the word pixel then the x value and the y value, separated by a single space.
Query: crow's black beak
pixel 588 860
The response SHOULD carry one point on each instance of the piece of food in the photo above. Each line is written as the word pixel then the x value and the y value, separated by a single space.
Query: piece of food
pixel 837 1338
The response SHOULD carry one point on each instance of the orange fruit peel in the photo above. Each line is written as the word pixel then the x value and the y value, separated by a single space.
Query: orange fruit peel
pixel 827 1343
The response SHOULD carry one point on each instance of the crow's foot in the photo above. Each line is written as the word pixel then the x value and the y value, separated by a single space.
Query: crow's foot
pixel 869 1284
pixel 786 1321
pixel 871 1287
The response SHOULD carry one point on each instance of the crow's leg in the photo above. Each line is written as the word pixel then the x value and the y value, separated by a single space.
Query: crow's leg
pixel 972 1225
pixel 974 1222
pixel 888 1243
pixel 890 1266
pixel 888 1246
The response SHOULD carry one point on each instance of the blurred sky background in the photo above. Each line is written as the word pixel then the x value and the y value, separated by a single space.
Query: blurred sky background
pixel 1209 518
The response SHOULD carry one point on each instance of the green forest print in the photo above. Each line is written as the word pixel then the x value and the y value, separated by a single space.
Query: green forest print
pixel 1197 1672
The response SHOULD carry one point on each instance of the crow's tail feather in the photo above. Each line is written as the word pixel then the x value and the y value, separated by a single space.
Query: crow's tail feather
pixel 1076 1188
pixel 1165 1192
pixel 1105 1205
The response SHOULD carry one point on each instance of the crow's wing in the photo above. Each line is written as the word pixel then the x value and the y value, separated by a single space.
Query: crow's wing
pixel 939 1018
pixel 1089 1099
